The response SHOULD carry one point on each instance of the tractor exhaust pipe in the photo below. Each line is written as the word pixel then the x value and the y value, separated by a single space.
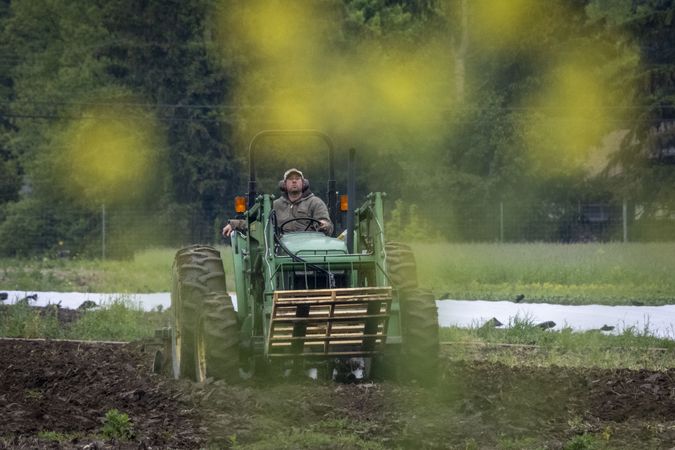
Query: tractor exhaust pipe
pixel 351 199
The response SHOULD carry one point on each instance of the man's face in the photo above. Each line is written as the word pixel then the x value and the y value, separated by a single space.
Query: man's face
pixel 294 184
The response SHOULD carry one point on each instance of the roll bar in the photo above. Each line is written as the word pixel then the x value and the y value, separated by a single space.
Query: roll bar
pixel 332 186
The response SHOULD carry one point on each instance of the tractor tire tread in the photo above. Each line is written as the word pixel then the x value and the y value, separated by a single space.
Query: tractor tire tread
pixel 221 336
pixel 401 266
pixel 420 335
pixel 197 272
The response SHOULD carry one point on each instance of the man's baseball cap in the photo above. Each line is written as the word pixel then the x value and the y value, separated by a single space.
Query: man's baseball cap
pixel 291 171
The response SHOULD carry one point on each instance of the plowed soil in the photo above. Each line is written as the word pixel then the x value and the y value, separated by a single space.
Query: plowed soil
pixel 56 394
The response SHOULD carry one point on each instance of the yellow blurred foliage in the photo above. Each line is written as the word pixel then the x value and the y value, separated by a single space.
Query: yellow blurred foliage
pixel 572 112
pixel 500 23
pixel 296 77
pixel 110 155
pixel 297 72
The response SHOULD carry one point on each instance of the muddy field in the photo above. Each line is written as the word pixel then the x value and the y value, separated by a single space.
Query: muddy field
pixel 56 394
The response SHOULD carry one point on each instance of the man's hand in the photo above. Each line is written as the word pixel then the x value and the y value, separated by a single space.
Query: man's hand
pixel 227 231
pixel 325 225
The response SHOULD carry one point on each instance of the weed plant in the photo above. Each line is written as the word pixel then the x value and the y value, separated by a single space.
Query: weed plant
pixel 118 320
pixel 58 437
pixel 117 425
pixel 21 320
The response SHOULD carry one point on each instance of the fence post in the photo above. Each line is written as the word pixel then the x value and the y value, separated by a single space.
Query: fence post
pixel 625 221
pixel 501 221
pixel 103 231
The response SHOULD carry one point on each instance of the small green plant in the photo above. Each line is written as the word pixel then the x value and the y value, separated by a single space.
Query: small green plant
pixel 471 444
pixel 54 436
pixel 582 442
pixel 520 443
pixel 232 440
pixel 33 394
pixel 119 319
pixel 117 425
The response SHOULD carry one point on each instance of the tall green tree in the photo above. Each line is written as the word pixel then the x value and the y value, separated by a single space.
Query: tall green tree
pixel 10 170
pixel 539 93
pixel 81 72
pixel 53 66
pixel 161 49
pixel 643 171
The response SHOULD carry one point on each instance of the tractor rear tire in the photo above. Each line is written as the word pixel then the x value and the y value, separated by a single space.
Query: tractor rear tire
pixel 217 340
pixel 401 265
pixel 197 271
pixel 182 334
pixel 419 352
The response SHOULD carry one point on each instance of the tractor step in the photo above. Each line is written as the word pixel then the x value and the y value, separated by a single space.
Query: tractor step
pixel 329 322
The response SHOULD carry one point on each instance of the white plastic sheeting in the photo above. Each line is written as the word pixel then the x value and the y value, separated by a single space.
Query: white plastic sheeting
pixel 659 320
pixel 74 299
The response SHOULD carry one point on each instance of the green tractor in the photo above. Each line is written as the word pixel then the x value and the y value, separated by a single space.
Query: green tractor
pixel 346 306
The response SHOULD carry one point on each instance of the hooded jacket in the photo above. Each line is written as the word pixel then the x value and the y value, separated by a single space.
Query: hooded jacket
pixel 308 205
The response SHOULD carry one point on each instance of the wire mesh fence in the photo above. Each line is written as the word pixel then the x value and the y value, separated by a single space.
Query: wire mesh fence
pixel 572 222
pixel 110 232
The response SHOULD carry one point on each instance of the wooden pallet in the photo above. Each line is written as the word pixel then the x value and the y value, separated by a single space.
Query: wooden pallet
pixel 329 322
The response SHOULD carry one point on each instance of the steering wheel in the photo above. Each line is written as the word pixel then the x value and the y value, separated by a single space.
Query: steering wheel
pixel 297 219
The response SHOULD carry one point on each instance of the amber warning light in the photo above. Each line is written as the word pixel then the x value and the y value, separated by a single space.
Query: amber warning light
pixel 344 203
pixel 240 204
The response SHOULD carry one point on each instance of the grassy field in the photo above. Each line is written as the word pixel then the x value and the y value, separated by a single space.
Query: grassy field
pixel 116 320
pixel 148 271
pixel 513 388
pixel 522 343
pixel 614 274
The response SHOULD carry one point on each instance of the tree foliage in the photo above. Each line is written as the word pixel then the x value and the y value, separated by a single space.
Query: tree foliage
pixel 643 170
pixel 103 70
pixel 148 106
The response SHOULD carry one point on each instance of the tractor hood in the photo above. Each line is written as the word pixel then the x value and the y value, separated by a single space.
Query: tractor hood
pixel 312 243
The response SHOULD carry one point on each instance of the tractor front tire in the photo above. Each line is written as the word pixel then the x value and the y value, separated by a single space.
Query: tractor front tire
pixel 401 265
pixel 197 272
pixel 182 334
pixel 217 340
pixel 419 352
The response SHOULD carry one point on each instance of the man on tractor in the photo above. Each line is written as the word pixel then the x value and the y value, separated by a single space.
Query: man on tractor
pixel 298 209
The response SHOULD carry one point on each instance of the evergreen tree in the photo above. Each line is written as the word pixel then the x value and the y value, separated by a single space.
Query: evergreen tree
pixel 10 173
pixel 161 49
pixel 643 171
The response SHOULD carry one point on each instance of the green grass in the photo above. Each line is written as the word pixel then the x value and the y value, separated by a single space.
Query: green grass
pixel 148 271
pixel 22 321
pixel 521 343
pixel 525 343
pixel 116 320
pixel 298 438
pixel 58 437
pixel 614 274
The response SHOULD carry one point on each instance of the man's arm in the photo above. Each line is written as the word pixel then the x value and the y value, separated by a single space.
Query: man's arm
pixel 234 225
pixel 320 213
